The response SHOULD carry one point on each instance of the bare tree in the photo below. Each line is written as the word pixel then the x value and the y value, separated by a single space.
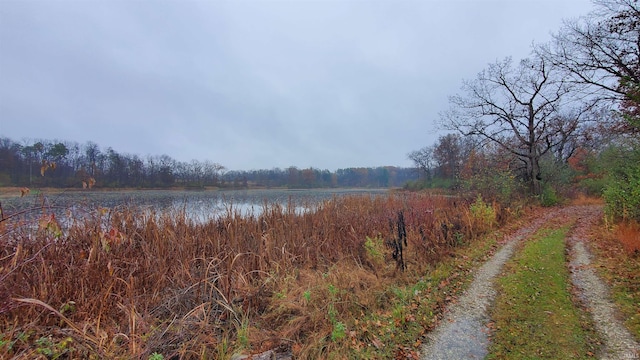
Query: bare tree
pixel 602 50
pixel 423 160
pixel 449 155
pixel 513 106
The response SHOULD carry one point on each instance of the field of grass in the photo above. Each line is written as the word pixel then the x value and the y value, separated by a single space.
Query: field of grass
pixel 360 277
pixel 534 314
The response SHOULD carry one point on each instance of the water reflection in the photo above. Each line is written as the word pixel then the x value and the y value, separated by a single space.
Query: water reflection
pixel 199 206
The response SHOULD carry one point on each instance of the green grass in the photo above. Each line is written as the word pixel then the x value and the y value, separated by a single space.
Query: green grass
pixel 534 316
pixel 411 310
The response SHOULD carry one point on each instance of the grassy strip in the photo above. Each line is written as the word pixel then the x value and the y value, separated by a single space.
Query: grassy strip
pixel 405 312
pixel 534 314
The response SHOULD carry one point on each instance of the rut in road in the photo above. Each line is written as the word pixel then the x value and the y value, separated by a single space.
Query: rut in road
pixel 463 333
pixel 618 343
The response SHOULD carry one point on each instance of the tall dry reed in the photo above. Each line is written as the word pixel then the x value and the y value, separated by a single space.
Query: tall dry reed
pixel 125 283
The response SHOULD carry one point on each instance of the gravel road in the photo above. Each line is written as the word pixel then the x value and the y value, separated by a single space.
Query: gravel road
pixel 594 293
pixel 463 334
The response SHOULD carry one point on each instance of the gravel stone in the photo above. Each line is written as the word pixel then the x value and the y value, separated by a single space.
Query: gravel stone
pixel 463 334
pixel 594 293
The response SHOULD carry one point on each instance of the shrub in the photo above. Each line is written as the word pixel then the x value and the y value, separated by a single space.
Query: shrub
pixel 592 186
pixel 339 331
pixel 622 192
pixel 156 356
pixel 375 250
pixel 499 185
pixel 483 214
pixel 549 197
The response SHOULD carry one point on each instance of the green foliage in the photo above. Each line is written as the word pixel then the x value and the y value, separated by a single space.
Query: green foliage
pixel 549 197
pixel 555 171
pixel 6 344
pixel 593 186
pixel 156 356
pixel 374 248
pixel 500 185
pixel 558 179
pixel 68 308
pixel 534 300
pixel 339 328
pixel 482 213
pixel 622 195
pixel 242 333
pixel 47 347
pixel 339 331
pixel 433 183
pixel 332 290
pixel 622 192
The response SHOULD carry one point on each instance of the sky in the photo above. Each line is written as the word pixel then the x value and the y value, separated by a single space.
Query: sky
pixel 255 84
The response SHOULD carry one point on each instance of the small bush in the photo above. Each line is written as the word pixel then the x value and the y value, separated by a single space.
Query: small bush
pixel 375 250
pixel 549 197
pixel 592 185
pixel 156 356
pixel 622 191
pixel 339 331
pixel 622 195
pixel 499 185
pixel 483 214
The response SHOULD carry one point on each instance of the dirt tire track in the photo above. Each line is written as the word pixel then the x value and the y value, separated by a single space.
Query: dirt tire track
pixel 594 294
pixel 463 333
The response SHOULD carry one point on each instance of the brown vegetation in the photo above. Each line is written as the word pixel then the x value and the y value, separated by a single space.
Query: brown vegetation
pixel 628 233
pixel 121 284
pixel 618 262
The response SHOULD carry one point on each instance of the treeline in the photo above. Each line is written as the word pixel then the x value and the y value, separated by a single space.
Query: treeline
pixel 384 176
pixel 45 163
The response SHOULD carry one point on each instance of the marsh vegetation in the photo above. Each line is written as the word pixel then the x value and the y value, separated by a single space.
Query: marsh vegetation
pixel 121 283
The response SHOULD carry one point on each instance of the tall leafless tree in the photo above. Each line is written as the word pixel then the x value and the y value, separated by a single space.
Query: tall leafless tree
pixel 423 160
pixel 449 154
pixel 514 106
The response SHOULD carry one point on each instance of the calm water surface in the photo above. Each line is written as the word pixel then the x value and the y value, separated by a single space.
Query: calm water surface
pixel 198 205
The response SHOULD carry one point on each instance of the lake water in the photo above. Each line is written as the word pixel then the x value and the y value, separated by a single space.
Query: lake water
pixel 198 205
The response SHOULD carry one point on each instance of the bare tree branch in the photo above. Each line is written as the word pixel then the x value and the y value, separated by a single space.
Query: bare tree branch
pixel 515 106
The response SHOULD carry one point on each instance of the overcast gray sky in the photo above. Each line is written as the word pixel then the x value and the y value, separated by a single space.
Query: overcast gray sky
pixel 254 84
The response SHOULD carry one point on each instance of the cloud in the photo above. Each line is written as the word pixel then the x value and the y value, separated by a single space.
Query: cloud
pixel 254 84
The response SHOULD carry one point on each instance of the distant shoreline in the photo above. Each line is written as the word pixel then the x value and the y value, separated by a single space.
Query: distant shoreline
pixel 14 191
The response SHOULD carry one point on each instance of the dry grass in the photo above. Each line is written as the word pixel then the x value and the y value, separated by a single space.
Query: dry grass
pixel 582 199
pixel 628 233
pixel 618 262
pixel 119 284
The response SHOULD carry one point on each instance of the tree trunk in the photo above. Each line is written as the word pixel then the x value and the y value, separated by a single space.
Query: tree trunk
pixel 533 174
pixel 536 183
